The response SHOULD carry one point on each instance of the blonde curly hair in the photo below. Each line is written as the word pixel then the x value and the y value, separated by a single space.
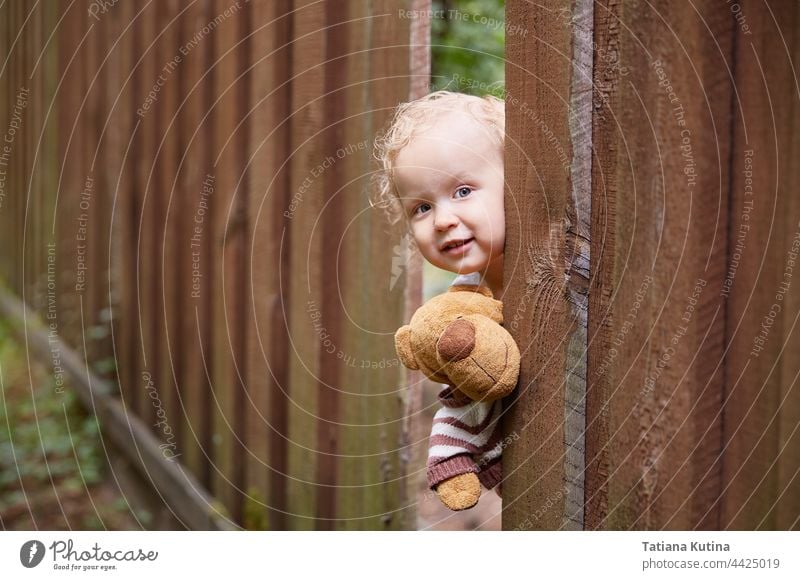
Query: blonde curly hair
pixel 413 117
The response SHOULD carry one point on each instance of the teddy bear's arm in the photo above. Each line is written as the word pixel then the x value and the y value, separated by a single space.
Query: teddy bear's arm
pixel 462 433
pixel 469 432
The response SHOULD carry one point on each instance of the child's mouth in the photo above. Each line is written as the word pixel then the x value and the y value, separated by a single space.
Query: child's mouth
pixel 459 248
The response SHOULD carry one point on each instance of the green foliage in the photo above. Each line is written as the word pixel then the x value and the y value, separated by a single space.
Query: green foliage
pixel 254 511
pixel 468 46
pixel 49 446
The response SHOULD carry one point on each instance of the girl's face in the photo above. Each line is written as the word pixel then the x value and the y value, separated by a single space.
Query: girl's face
pixel 450 181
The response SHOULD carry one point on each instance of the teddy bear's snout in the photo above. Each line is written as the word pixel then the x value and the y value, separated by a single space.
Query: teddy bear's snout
pixel 457 341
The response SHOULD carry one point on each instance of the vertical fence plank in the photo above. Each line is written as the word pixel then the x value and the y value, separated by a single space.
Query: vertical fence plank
pixel 173 232
pixel 625 272
pixel 5 100
pixel 72 133
pixel 239 263
pixel 701 434
pixel 27 144
pixel 538 75
pixel 127 338
pixel 146 230
pixel 21 152
pixel 92 222
pixel 23 51
pixel 105 182
pixel 49 149
pixel 229 227
pixel 352 426
pixel 239 270
pixel 655 399
pixel 372 492
pixel 329 229
pixel 756 316
pixel 787 505
pixel 664 429
pixel 11 199
pixel 18 164
pixel 266 252
pixel 416 432
pixel 302 278
pixel 155 222
pixel 196 243
pixel 32 125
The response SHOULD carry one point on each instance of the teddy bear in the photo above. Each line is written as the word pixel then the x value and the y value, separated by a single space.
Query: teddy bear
pixel 457 338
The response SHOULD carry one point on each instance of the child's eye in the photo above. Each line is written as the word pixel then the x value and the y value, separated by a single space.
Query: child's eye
pixel 465 189
pixel 421 208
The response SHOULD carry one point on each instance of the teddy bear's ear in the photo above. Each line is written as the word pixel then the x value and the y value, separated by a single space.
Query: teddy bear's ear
pixel 402 343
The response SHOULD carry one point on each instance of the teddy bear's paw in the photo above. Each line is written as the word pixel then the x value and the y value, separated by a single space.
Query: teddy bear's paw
pixel 460 492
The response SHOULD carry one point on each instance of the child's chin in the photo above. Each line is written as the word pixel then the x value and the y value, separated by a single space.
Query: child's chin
pixel 468 268
pixel 462 264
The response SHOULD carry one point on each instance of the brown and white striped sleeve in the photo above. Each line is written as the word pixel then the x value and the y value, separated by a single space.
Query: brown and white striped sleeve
pixel 465 439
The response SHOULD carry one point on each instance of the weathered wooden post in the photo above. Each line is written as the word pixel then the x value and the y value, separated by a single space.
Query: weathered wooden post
pixel 634 133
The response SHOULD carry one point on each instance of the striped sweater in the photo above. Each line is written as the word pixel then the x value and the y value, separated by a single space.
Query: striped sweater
pixel 465 436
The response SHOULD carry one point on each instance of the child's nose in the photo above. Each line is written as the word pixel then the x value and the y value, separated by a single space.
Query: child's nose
pixel 444 219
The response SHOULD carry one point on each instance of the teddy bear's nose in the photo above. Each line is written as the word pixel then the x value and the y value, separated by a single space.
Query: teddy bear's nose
pixel 457 341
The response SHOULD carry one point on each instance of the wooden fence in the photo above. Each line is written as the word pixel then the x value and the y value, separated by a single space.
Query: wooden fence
pixel 653 230
pixel 185 205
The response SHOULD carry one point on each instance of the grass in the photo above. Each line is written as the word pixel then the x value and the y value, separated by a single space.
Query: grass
pixel 52 463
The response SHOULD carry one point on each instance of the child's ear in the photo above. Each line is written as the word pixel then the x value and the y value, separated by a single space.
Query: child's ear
pixel 402 343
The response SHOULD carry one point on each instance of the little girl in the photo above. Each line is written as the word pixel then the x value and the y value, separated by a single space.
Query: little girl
pixel 442 173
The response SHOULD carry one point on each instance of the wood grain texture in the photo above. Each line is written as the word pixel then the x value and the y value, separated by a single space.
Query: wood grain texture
pixel 225 259
pixel 787 504
pixel 577 238
pixel 415 432
pixel 538 186
pixel 148 240
pixel 5 99
pixel 225 110
pixel 268 191
pixel 173 231
pixel 665 118
pixel 305 286
pixel 372 465
pixel 661 110
pixel 759 317
pixel 72 134
pixel 125 218
pixel 193 203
